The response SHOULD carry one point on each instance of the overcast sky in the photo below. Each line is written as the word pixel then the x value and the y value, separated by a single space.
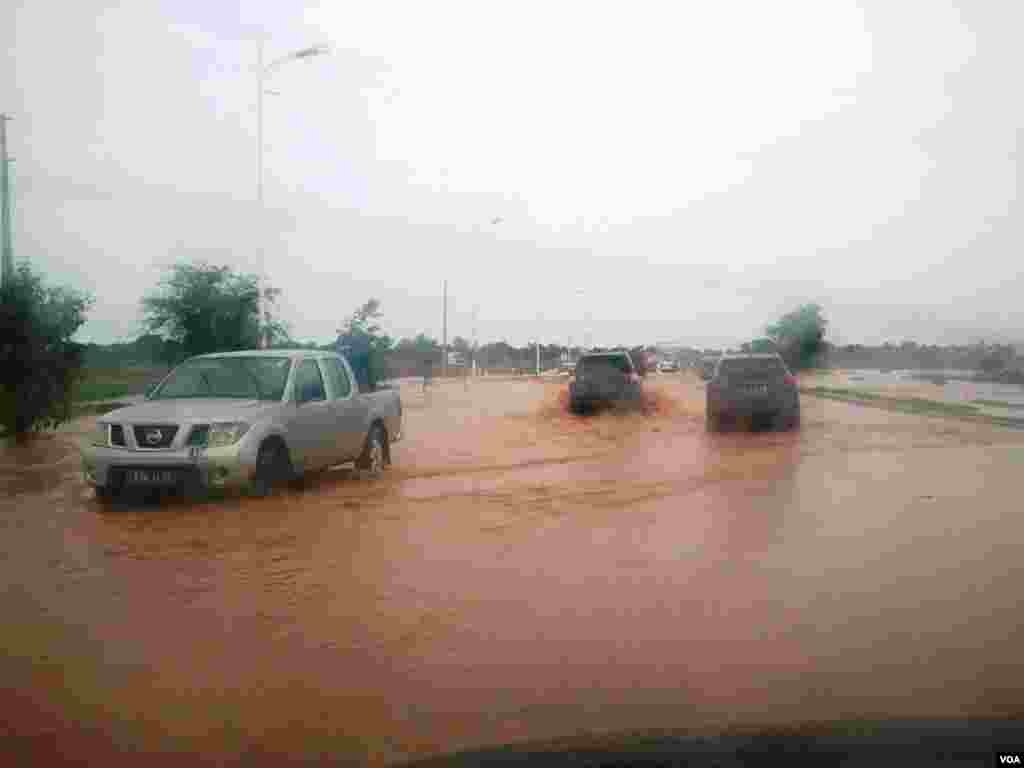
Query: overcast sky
pixel 662 171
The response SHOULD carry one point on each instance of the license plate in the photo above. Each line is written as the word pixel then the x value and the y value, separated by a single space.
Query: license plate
pixel 151 476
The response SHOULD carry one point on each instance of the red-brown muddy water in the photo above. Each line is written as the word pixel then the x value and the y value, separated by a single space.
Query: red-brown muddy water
pixel 522 573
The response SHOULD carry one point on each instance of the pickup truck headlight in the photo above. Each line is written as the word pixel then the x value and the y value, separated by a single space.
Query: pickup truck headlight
pixel 226 433
pixel 100 435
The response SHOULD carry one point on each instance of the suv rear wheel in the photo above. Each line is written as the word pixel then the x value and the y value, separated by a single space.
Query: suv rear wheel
pixel 712 421
pixel 794 419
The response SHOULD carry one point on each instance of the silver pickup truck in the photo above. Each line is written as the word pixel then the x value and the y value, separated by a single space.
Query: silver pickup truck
pixel 247 419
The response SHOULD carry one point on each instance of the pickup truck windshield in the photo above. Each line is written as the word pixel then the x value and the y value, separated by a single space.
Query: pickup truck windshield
pixel 251 378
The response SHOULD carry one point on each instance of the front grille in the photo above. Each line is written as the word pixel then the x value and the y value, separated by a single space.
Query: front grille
pixel 117 435
pixel 155 435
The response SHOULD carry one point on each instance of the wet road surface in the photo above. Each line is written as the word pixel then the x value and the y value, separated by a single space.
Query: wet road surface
pixel 522 574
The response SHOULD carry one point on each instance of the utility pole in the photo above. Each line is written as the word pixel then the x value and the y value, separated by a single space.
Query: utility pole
pixel 6 249
pixel 444 332
pixel 476 309
pixel 540 320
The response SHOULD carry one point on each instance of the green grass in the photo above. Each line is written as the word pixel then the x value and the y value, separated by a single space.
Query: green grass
pixel 914 405
pixel 112 383
pixel 995 403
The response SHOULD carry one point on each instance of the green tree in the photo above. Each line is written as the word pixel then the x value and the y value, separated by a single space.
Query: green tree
pixel 421 345
pixel 463 349
pixel 39 363
pixel 759 346
pixel 800 336
pixel 992 362
pixel 365 345
pixel 209 308
pixel 148 348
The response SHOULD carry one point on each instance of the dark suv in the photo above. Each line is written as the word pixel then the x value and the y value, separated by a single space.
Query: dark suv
pixel 706 367
pixel 753 386
pixel 604 378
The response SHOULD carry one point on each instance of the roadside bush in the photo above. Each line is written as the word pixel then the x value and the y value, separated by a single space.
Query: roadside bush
pixel 39 364
pixel 800 337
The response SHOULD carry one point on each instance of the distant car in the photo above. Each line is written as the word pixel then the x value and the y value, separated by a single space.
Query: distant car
pixel 668 366
pixel 605 378
pixel 251 419
pixel 752 386
pixel 706 366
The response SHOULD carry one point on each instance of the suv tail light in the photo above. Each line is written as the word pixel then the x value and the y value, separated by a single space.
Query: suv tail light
pixel 790 379
pixel 634 377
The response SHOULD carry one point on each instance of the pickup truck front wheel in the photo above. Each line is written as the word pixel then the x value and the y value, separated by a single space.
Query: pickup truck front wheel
pixel 273 467
pixel 371 460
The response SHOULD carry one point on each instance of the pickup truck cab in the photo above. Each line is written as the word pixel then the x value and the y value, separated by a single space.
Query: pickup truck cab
pixel 248 419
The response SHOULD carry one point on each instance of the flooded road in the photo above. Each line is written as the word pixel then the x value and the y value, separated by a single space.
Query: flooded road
pixel 522 574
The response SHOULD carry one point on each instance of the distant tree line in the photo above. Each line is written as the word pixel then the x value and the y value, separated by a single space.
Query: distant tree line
pixel 992 359
pixel 197 307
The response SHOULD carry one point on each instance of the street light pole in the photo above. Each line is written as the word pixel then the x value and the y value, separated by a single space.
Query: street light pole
pixel 262 72
pixel 476 309
pixel 6 249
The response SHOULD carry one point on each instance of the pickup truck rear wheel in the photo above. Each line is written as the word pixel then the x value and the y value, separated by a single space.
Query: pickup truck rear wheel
pixel 371 460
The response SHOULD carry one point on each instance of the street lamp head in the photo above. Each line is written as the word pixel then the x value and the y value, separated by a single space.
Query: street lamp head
pixel 313 50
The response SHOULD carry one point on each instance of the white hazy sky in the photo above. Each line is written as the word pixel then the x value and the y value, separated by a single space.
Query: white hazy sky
pixel 664 171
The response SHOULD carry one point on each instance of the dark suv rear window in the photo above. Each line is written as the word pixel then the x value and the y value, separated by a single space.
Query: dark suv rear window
pixel 759 366
pixel 619 363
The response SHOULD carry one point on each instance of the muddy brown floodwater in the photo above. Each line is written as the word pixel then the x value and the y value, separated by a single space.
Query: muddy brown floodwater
pixel 520 574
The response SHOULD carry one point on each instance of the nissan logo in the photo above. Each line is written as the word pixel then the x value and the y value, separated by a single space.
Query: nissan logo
pixel 154 436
